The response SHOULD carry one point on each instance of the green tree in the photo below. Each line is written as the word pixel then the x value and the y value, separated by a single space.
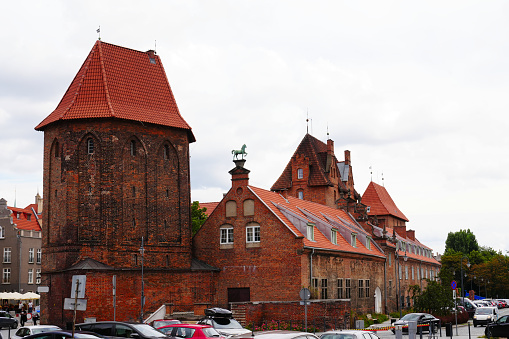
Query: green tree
pixel 435 299
pixel 463 241
pixel 198 216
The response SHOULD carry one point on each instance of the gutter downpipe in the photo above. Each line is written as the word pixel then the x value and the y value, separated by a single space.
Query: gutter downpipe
pixel 311 267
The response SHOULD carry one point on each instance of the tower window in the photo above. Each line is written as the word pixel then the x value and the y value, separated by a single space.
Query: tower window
pixel 133 147
pixel 90 146
pixel 56 149
pixel 166 153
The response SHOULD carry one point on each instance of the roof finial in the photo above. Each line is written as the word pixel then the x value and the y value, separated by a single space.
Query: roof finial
pixel 99 32
pixel 307 121
pixel 371 172
pixel 383 179
pixel 327 131
pixel 155 46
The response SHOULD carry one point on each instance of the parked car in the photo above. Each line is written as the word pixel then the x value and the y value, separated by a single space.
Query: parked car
pixel 499 328
pixel 62 334
pixel 117 329
pixel 163 322
pixel 223 322
pixel 29 330
pixel 7 320
pixel 190 331
pixel 470 307
pixel 349 335
pixel 485 315
pixel 421 319
pixel 278 334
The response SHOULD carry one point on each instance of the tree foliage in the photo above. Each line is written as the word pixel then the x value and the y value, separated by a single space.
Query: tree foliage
pixel 435 299
pixel 463 241
pixel 198 216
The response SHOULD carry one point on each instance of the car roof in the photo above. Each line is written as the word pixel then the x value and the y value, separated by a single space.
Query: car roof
pixel 186 326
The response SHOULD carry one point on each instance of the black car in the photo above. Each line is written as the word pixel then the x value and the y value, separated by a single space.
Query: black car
pixel 117 329
pixel 63 334
pixel 424 319
pixel 7 320
pixel 499 328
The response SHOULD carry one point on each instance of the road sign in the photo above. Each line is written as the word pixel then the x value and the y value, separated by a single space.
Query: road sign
pixel 305 302
pixel 43 289
pixel 81 304
pixel 82 279
pixel 305 294
pixel 453 285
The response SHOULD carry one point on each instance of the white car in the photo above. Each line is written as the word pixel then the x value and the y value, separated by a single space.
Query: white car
pixel 485 315
pixel 29 330
pixel 349 335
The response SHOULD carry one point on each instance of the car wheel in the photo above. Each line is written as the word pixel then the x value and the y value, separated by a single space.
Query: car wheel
pixel 475 324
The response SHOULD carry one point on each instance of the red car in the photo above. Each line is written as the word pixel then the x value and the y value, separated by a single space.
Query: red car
pixel 190 331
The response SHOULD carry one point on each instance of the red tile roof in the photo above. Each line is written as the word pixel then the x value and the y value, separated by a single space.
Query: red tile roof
pixel 380 202
pixel 316 151
pixel 210 206
pixel 118 82
pixel 21 216
pixel 315 213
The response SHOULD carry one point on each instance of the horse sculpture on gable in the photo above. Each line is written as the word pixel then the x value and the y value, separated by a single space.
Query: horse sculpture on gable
pixel 241 152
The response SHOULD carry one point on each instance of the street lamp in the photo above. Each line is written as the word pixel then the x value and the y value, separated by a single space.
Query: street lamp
pixel 461 272
pixel 142 251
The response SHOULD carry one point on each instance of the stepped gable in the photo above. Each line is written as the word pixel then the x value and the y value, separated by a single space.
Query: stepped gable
pixel 122 83
pixel 380 202
pixel 316 151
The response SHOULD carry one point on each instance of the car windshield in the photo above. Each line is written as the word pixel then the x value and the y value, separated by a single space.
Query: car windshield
pixel 411 317
pixel 484 310
pixel 210 332
pixel 148 330
pixel 226 323
pixel 45 329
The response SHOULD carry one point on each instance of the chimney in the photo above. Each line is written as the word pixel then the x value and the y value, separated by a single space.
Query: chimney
pixel 330 146
pixel 410 234
pixel 401 230
pixel 240 175
pixel 347 157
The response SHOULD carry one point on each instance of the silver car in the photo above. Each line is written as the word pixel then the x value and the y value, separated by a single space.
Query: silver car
pixel 349 335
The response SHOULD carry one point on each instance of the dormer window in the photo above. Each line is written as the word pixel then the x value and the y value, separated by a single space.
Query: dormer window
pixel 300 194
pixel 353 240
pixel 311 232
pixel 300 173
pixel 334 236
pixel 368 243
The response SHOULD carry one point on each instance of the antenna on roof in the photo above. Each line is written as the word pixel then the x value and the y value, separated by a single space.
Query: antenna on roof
pixel 327 131
pixel 99 32
pixel 371 172
pixel 383 179
pixel 155 46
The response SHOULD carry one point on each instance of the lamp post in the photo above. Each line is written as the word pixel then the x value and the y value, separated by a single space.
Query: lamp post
pixel 142 251
pixel 461 272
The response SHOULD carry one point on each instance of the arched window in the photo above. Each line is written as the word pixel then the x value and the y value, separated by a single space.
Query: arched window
pixel 90 146
pixel 166 152
pixel 133 147
pixel 300 194
pixel 57 154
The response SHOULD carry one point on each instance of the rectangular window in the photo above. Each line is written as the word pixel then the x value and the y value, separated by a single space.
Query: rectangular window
pixel 314 288
pixel 30 276
pixel 368 243
pixel 311 232
pixel 7 255
pixel 2 232
pixel 39 256
pixel 390 259
pixel 334 237
pixel 226 236
pixel 406 272
pixel 366 286
pixel 400 273
pixel 300 173
pixel 324 289
pixel 348 288
pixel 253 234
pixel 31 255
pixel 38 276
pixel 360 288
pixel 390 287
pixel 6 276
pixel 413 274
pixel 354 240
pixel 340 288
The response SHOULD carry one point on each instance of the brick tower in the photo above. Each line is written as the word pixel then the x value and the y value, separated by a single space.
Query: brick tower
pixel 116 170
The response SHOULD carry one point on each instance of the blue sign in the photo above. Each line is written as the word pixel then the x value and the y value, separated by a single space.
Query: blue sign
pixel 453 285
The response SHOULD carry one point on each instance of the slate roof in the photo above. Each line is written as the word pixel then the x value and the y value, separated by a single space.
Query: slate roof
pixel 380 202
pixel 118 82
pixel 21 216
pixel 316 151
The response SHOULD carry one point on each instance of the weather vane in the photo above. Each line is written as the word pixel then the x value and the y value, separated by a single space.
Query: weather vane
pixel 99 32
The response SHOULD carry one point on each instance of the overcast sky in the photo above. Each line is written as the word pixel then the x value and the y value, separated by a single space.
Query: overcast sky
pixel 416 90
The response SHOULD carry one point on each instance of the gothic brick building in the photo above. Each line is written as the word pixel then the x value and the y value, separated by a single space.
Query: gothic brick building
pixel 116 176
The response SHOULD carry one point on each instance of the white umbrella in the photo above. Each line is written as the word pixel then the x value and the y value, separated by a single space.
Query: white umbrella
pixel 30 295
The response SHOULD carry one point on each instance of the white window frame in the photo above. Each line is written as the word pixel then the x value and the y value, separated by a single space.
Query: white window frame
pixel 2 232
pixel 406 272
pixel 7 255
pixel 310 232
pixel 226 236
pixel 90 146
pixel 334 236
pixel 30 276
pixel 300 173
pixel 253 234
pixel 31 253
pixel 300 194
pixel 37 276
pixel 353 239
pixel 6 276
pixel 38 257
pixel 368 243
